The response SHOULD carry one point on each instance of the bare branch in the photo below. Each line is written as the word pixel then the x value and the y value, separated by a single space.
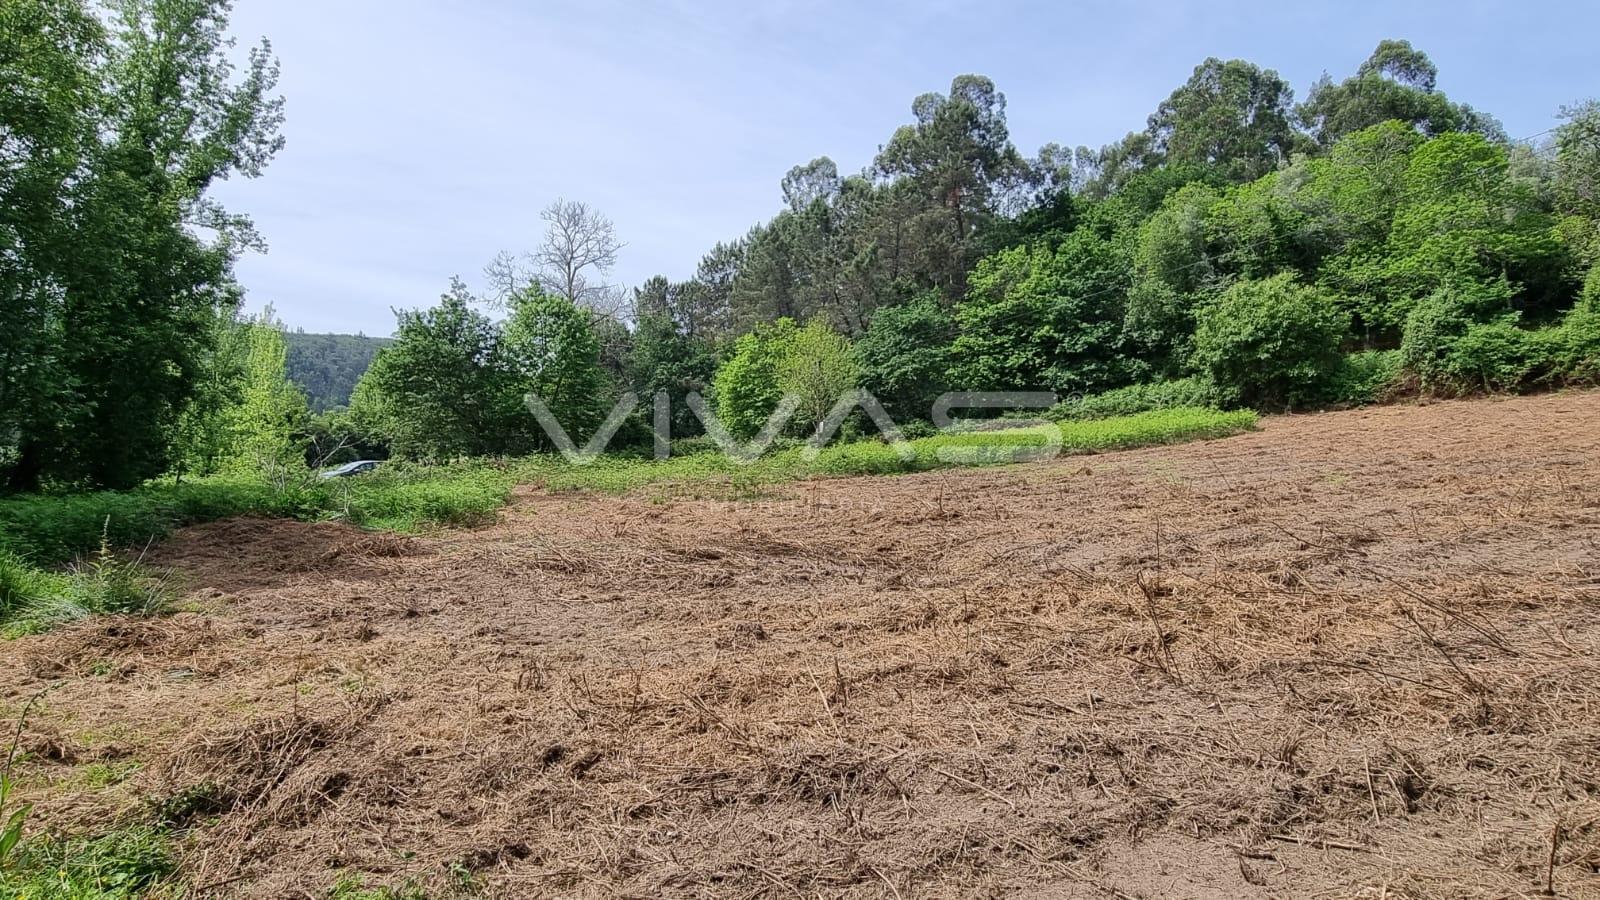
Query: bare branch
pixel 580 247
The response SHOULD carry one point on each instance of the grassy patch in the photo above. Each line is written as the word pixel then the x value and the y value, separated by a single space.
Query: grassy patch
pixel 1179 393
pixel 118 863
pixel 873 457
pixel 354 887
pixel 33 600
pixel 49 529
pixel 99 776
pixel 55 559
pixel 123 863
pixel 400 497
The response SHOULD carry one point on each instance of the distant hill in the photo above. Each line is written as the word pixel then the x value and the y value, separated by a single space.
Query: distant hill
pixel 327 366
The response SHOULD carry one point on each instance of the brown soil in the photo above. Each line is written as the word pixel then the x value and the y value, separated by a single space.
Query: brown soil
pixel 1352 654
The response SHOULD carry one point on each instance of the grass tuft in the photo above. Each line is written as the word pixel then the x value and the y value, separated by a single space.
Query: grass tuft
pixel 122 863
pixel 33 600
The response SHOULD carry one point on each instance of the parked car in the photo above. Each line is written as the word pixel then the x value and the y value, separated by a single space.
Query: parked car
pixel 358 467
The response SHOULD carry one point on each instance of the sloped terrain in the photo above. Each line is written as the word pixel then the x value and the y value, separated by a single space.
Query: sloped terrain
pixel 1351 654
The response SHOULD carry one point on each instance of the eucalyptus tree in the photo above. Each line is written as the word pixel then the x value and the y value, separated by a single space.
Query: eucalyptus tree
pixel 960 166
pixel 1397 82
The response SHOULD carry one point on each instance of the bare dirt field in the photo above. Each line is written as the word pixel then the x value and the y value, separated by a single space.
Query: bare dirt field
pixel 1350 654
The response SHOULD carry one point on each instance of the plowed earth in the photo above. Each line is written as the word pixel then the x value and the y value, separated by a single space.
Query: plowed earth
pixel 1350 654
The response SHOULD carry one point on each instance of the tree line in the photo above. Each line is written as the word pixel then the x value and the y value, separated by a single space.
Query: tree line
pixel 1241 248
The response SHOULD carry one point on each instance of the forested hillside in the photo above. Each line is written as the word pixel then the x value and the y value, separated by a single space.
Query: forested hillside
pixel 327 366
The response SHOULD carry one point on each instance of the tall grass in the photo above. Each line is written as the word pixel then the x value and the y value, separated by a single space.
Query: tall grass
pixel 873 457
pixel 56 551
pixel 49 529
pixel 34 600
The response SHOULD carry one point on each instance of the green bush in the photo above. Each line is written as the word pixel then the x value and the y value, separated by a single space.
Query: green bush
pixel 1432 329
pixel 905 356
pixel 816 368
pixel 1364 378
pixel 1270 343
pixel 746 386
pixel 1194 391
pixel 1575 345
pixel 1457 341
pixel 1497 356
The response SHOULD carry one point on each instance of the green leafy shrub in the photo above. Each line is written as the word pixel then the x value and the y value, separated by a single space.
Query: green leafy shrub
pixel 1272 343
pixel 905 356
pixel 1575 345
pixel 1460 340
pixel 1497 356
pixel 746 386
pixel 549 349
pixel 816 367
pixel 1194 391
pixel 1364 378
pixel 441 389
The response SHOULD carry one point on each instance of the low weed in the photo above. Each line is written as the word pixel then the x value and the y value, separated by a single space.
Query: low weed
pixel 121 863
pixel 34 600
pixel 354 887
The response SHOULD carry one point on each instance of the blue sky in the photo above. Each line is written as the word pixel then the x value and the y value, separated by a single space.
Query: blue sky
pixel 425 137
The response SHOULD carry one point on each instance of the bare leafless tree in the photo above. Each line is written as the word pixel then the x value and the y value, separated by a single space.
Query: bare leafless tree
pixel 580 247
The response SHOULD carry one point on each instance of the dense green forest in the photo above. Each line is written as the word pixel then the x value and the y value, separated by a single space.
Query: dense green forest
pixel 1375 239
pixel 327 366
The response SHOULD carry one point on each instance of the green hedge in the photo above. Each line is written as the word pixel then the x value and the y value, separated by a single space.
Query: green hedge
pixel 1195 391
